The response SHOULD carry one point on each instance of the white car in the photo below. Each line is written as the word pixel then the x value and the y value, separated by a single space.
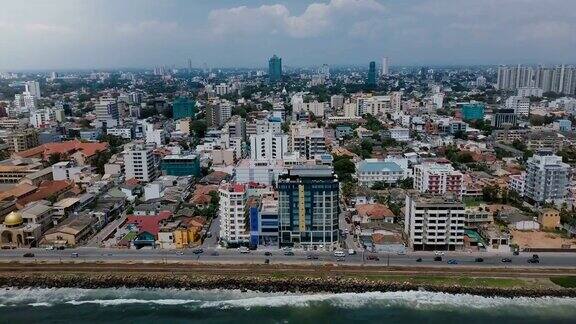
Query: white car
pixel 438 252
pixel 351 252
pixel 244 250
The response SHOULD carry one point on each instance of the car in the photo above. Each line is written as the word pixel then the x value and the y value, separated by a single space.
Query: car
pixel 339 254
pixel 419 260
pixel 180 252
pixel 74 255
pixel 215 253
pixel 288 253
pixel 535 256
pixel 516 252
pixel 452 261
pixel 267 261
pixel 479 260
pixel 312 257
pixel 28 255
pixel 401 253
pixel 244 250
pixel 198 251
pixel 438 258
pixel 533 260
pixel 50 247
pixel 438 253
pixel 351 252
pixel 268 253
pixel 60 247
pixel 209 234
pixel 340 259
pixel 506 260
pixel 372 257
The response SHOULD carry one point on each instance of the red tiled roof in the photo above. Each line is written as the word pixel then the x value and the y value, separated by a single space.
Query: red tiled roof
pixel 149 223
pixel 66 148
pixel 374 211
pixel 46 190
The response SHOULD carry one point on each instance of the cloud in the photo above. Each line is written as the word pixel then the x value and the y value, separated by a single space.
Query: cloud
pixel 316 20
pixel 145 27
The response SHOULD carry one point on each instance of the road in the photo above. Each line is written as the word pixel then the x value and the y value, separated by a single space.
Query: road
pixel 86 254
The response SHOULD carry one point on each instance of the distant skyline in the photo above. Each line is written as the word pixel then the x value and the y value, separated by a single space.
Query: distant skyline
pixel 85 34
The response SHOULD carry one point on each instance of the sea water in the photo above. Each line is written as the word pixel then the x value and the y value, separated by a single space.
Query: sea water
pixel 123 305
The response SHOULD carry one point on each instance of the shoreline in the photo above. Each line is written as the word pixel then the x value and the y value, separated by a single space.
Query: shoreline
pixel 295 284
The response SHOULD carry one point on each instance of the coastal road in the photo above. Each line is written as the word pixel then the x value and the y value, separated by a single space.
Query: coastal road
pixel 87 254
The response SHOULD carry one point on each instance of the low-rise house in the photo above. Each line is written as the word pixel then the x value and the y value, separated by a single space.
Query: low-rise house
pixel 549 218
pixel 71 232
pixel 373 214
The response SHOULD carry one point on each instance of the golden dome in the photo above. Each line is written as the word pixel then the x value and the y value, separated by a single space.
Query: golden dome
pixel 13 219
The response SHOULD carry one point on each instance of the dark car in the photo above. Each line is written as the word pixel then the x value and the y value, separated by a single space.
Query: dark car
pixel 479 260
pixel 373 258
pixel 506 260
pixel 267 253
pixel 437 258
pixel 312 257
pixel 215 253
pixel 535 256
pixel 533 260
pixel 198 251
pixel 28 255
pixel 419 260
pixel 452 261
pixel 288 253
pixel 516 252
pixel 267 261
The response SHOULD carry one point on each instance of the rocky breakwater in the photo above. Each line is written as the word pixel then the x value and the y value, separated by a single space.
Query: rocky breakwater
pixel 296 284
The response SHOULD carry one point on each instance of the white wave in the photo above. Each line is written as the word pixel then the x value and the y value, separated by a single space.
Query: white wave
pixel 40 304
pixel 116 302
pixel 413 299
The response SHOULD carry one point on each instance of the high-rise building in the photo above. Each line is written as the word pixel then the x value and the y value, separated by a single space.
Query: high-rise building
pixel 268 147
pixel 107 114
pixel 385 66
pixel 33 87
pixel 308 207
pixel 438 178
pixel 183 108
pixel 371 80
pixel 520 105
pixel 434 222
pixel 546 177
pixel 20 140
pixel 275 68
pixel 139 162
pixel 504 118
pixel 308 142
pixel 233 198
pixel 560 79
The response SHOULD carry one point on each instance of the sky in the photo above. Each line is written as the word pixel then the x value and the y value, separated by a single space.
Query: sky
pixel 69 34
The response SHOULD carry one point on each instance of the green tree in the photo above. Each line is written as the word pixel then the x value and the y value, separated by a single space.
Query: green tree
pixel 199 127
pixel 344 167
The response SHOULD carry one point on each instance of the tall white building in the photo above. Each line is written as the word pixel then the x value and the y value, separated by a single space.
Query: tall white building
pixel 221 89
pixel 521 105
pixel 438 178
pixel 376 105
pixel 43 117
pixel 233 198
pixel 268 147
pixel 307 141
pixel 106 112
pixel 139 162
pixel 33 87
pixel 434 222
pixel 385 66
pixel 546 177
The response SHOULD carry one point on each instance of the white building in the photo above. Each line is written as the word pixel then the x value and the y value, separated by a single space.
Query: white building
pixel 400 134
pixel 434 222
pixel 153 135
pixel 153 190
pixel 529 92
pixel 521 105
pixel 376 106
pixel 307 141
pixel 385 66
pixel 66 170
pixel 438 178
pixel 221 89
pixel 269 146
pixel 233 198
pixel 371 171
pixel 262 172
pixel 43 117
pixel 33 87
pixel 139 162
pixel 350 109
pixel 516 183
pixel 547 177
pixel 106 111
pixel 337 102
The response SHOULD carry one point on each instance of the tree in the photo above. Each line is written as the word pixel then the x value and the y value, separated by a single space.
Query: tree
pixel 344 168
pixel 490 193
pixel 101 159
pixel 54 158
pixel 199 127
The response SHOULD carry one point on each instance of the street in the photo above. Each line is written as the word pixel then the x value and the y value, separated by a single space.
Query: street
pixel 86 254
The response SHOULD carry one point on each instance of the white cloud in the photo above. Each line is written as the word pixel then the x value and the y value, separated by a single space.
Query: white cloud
pixel 316 20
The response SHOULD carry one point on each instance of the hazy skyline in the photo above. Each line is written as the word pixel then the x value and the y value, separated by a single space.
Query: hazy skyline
pixel 63 34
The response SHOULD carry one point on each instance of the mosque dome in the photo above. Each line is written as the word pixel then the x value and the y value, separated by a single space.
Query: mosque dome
pixel 13 219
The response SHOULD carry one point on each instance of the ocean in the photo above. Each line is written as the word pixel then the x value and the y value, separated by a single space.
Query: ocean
pixel 123 305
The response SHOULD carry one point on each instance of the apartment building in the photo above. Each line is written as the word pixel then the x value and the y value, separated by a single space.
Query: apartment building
pixel 233 198
pixel 438 178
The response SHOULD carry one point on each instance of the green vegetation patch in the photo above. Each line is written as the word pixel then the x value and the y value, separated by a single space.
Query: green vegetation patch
pixel 566 282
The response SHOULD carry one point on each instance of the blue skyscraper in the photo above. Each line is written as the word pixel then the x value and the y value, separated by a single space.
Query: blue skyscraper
pixel 183 108
pixel 275 68
pixel 371 81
